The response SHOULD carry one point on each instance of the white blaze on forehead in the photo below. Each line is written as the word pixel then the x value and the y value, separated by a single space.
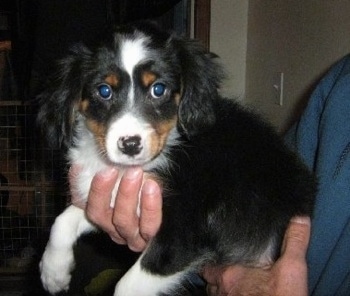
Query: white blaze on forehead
pixel 133 51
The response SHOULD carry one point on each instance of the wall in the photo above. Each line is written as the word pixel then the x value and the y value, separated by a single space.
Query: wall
pixel 300 38
pixel 228 39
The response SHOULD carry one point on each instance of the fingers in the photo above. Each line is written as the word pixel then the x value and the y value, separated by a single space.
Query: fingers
pixel 125 219
pixel 212 290
pixel 98 208
pixel 236 280
pixel 151 209
pixel 211 274
pixel 122 222
pixel 137 231
pixel 296 239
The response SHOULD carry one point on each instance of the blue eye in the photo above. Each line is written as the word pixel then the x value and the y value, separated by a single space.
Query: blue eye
pixel 105 91
pixel 158 89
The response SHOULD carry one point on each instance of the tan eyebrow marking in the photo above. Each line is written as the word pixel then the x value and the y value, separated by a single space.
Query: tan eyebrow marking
pixel 148 78
pixel 112 80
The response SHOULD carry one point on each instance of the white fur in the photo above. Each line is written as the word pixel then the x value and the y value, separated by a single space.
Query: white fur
pixel 142 283
pixel 127 126
pixel 133 51
pixel 87 156
pixel 58 259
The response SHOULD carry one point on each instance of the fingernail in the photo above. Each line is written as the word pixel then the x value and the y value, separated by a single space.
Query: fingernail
pixel 301 220
pixel 132 173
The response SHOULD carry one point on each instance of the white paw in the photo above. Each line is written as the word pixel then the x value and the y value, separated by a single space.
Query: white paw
pixel 55 268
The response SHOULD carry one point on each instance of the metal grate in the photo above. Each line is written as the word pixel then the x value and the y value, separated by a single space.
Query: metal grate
pixel 29 199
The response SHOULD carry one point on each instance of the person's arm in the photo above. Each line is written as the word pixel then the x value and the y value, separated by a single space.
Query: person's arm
pixel 121 222
pixel 287 277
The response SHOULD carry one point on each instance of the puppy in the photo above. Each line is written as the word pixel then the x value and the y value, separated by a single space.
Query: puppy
pixel 147 98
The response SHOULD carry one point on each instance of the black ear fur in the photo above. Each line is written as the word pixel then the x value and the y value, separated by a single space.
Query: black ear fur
pixel 56 114
pixel 201 79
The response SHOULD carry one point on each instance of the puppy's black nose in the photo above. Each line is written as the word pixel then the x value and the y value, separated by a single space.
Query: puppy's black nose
pixel 130 145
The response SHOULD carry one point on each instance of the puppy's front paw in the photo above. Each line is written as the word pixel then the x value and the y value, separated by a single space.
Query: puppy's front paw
pixel 55 268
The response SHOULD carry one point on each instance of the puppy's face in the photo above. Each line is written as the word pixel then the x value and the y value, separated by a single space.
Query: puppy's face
pixel 133 94
pixel 130 100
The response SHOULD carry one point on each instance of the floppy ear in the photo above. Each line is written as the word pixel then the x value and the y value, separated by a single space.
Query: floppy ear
pixel 201 78
pixel 56 115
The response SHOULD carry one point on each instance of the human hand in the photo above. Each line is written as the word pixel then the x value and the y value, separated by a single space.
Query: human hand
pixel 122 223
pixel 286 277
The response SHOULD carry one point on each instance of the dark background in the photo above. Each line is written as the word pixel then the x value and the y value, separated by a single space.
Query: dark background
pixel 42 31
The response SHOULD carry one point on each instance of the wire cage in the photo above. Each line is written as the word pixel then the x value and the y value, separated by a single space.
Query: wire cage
pixel 29 198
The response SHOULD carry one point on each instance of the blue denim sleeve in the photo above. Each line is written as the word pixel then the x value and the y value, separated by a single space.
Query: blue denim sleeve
pixel 322 138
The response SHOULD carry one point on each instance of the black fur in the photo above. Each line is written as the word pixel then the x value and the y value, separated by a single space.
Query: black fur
pixel 232 185
pixel 57 113
pixel 233 189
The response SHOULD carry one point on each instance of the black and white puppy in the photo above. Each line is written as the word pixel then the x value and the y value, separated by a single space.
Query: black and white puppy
pixel 148 98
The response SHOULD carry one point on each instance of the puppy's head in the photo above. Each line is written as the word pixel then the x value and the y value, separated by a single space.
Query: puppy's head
pixel 132 94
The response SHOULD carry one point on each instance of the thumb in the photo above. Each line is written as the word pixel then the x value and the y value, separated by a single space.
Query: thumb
pixel 296 238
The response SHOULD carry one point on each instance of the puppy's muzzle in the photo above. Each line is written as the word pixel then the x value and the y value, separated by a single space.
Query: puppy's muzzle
pixel 130 145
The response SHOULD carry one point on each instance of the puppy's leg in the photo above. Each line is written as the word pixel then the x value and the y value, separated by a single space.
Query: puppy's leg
pixel 140 282
pixel 58 260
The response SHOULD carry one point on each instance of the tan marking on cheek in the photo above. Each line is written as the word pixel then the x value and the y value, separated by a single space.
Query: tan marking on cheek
pixel 177 98
pixel 83 106
pixel 159 137
pixel 99 131
pixel 148 78
pixel 112 80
